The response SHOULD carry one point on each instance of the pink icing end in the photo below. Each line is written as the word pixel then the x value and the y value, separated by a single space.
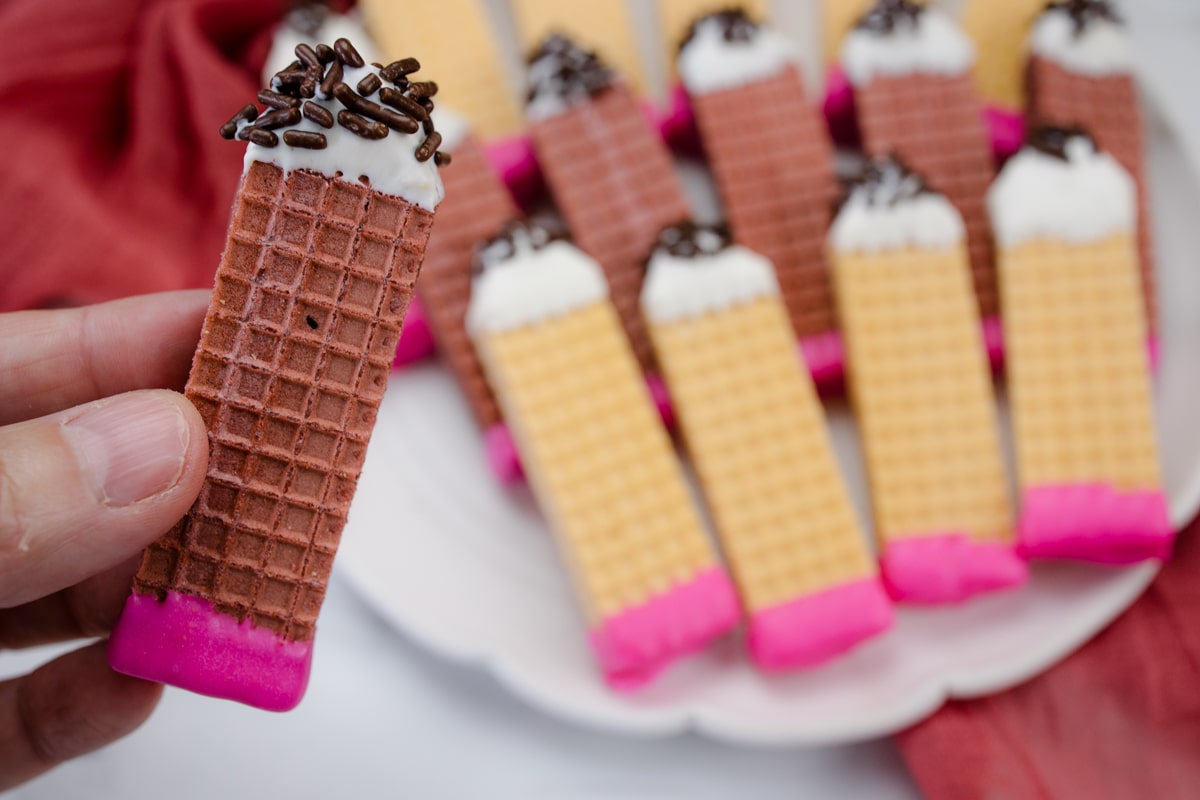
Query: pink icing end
pixel 514 161
pixel 1154 350
pixel 840 112
pixel 1007 129
pixel 185 642
pixel 677 124
pixel 993 340
pixel 416 339
pixel 826 359
pixel 662 399
pixel 1095 523
pixel 637 644
pixel 948 568
pixel 502 455
pixel 814 629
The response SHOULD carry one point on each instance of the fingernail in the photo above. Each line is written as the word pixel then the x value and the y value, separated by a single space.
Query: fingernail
pixel 132 448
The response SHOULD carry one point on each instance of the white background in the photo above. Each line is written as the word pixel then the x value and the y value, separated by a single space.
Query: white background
pixel 383 718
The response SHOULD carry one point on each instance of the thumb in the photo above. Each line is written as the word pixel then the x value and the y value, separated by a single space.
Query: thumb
pixel 85 489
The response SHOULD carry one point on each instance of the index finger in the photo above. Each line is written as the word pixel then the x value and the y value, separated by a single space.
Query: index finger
pixel 53 360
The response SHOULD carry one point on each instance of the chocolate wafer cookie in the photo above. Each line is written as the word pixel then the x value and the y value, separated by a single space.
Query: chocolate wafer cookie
pixel 328 233
pixel 609 172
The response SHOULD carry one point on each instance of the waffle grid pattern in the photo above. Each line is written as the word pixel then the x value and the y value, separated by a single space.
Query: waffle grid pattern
pixel 1077 366
pixel 1109 110
pixel 476 206
pixel 293 362
pixel 922 392
pixel 613 180
pixel 598 458
pixel 774 170
pixel 932 123
pixel 757 436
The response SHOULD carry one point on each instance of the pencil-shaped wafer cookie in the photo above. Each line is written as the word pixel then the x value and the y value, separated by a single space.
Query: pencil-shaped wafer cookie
pixel 1087 460
pixel 610 174
pixel 476 207
pixel 603 24
pixel 757 436
pixel 911 71
pixel 293 360
pixel 773 163
pixel 922 391
pixel 454 39
pixel 1081 74
pixel 676 18
pixel 597 457
pixel 1000 31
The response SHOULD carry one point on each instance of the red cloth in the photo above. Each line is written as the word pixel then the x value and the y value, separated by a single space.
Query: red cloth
pixel 114 181
pixel 1118 720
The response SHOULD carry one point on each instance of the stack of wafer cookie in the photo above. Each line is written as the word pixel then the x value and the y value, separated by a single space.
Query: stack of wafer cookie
pixel 294 356
pixel 1081 74
pixel 773 164
pixel 610 174
pixel 1065 214
pixel 911 72
pixel 757 437
pixel 922 391
pixel 598 459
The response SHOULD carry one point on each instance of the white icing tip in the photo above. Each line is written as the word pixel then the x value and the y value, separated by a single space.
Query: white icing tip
pixel 934 45
pixel 685 287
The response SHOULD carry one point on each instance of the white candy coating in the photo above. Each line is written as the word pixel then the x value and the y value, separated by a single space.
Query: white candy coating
pixel 532 286
pixel 335 26
pixel 935 45
pixel 1100 49
pixel 389 163
pixel 1086 198
pixel 680 287
pixel 454 128
pixel 881 220
pixel 709 63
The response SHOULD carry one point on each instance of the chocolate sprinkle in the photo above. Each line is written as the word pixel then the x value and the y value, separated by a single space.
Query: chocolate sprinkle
pixel 886 180
pixel 735 24
pixel 361 126
pixel 347 54
pixel 406 105
pixel 369 85
pixel 515 236
pixel 691 240
pixel 1053 141
pixel 305 139
pixel 399 70
pixel 247 113
pixel 1084 12
pixel 318 114
pixel 886 14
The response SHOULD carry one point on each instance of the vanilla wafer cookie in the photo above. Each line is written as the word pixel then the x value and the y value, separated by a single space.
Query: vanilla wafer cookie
pixel 911 72
pixel 455 40
pixel 773 162
pixel 602 24
pixel 756 433
pixel 599 462
pixel 294 355
pixel 609 173
pixel 1081 74
pixel 922 391
pixel 1065 214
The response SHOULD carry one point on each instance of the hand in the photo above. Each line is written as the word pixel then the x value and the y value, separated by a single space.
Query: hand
pixel 96 461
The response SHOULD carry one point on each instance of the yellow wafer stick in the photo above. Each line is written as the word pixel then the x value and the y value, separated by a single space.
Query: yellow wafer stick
pixel 1000 30
pixel 602 25
pixel 1075 331
pixel 757 436
pixel 922 391
pixel 597 455
pixel 453 40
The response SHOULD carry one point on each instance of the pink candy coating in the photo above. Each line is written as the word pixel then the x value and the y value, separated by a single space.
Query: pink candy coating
pixel 514 160
pixel 948 568
pixel 184 641
pixel 825 356
pixel 1096 523
pixel 502 455
pixel 416 338
pixel 816 628
pixel 1007 130
pixel 636 645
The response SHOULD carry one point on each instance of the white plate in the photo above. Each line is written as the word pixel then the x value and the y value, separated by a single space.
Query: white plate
pixel 469 569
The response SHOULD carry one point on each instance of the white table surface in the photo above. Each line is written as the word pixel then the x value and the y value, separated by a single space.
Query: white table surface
pixel 384 718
